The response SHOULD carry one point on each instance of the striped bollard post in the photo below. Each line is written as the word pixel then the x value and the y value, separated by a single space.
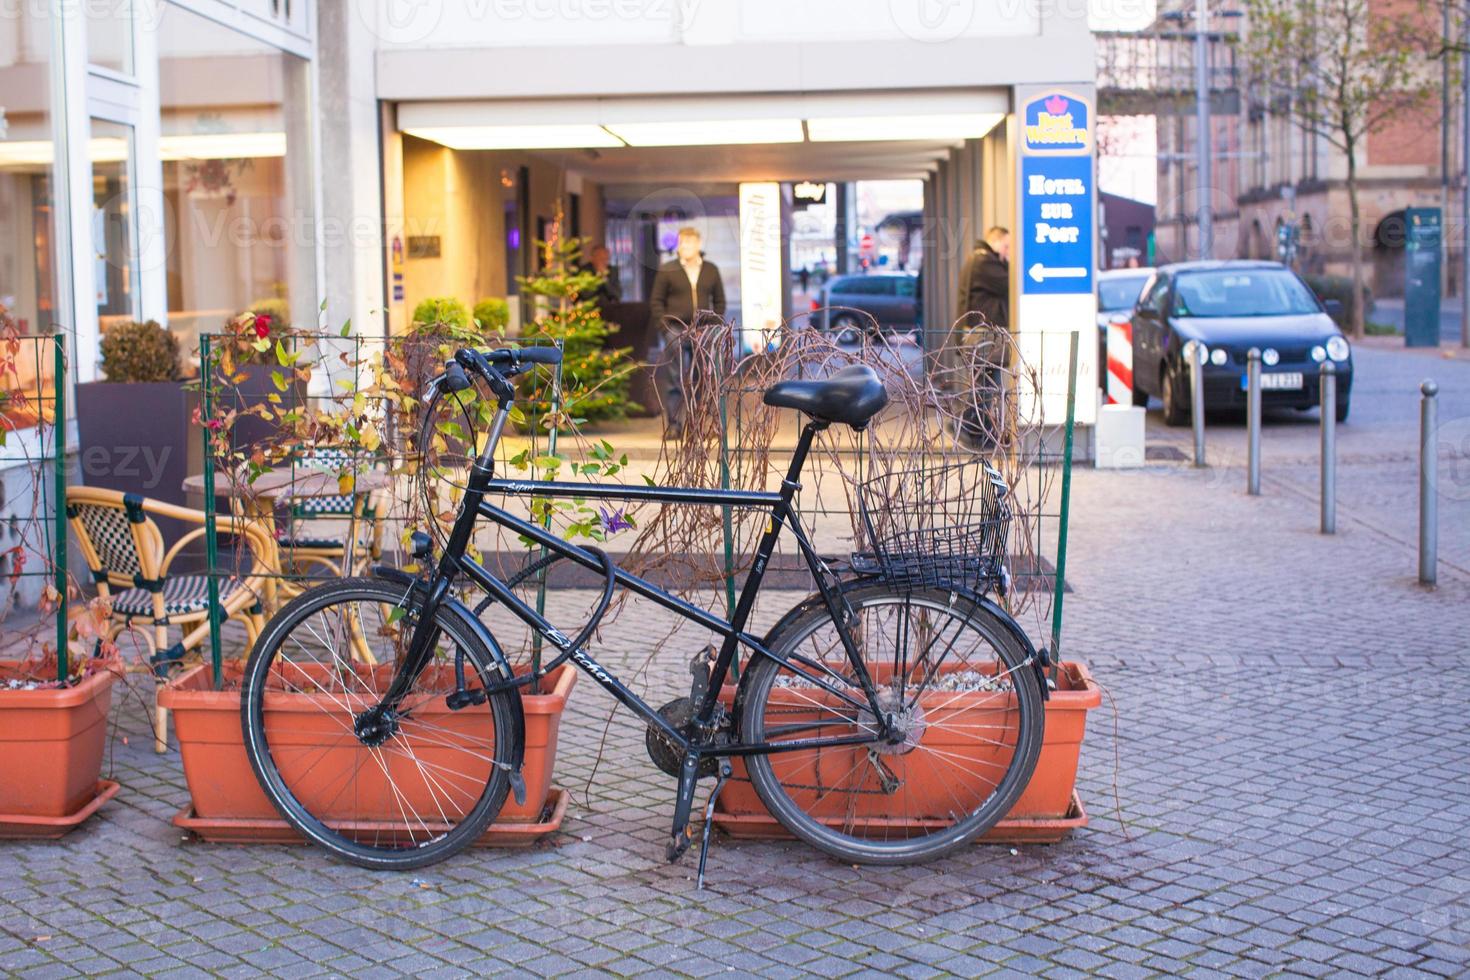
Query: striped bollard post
pixel 1120 362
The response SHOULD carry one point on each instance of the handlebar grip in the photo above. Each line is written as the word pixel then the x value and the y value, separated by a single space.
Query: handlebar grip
pixel 538 355
pixel 454 377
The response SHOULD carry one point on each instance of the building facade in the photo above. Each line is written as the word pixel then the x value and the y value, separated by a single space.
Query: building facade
pixel 183 160
pixel 1267 174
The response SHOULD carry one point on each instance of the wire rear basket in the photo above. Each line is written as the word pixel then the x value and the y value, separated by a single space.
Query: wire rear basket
pixel 942 526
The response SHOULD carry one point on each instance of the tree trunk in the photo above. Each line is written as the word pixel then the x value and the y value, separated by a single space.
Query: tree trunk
pixel 1356 312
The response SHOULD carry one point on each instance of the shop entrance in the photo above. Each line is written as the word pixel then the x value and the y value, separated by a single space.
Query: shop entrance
pixel 882 194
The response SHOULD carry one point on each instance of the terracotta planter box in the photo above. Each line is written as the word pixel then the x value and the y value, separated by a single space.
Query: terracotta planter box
pixel 227 803
pixel 51 745
pixel 1046 812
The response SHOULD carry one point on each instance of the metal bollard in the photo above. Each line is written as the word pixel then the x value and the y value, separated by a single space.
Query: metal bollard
pixel 1428 478
pixel 1253 421
pixel 1197 400
pixel 1328 402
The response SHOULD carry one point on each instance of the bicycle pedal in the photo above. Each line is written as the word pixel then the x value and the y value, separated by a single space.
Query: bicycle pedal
pixel 678 845
pixel 462 699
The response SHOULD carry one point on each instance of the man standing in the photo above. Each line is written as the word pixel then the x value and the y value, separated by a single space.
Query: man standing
pixel 683 290
pixel 985 281
pixel 985 318
pixel 610 290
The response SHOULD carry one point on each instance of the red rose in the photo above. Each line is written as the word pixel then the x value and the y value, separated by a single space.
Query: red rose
pixel 262 325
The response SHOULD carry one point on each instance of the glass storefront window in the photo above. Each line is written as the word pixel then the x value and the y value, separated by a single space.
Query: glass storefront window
pixel 114 227
pixel 110 34
pixel 29 287
pixel 240 225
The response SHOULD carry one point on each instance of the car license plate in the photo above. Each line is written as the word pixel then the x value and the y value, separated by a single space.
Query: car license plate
pixel 1278 381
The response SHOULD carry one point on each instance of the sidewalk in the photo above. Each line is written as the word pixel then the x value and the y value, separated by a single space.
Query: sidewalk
pixel 1276 782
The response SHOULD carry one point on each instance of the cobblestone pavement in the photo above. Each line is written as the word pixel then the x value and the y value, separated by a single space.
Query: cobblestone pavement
pixel 1278 783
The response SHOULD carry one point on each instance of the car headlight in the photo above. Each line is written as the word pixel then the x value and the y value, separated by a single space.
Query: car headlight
pixel 1219 356
pixel 1338 349
pixel 1319 353
pixel 1270 357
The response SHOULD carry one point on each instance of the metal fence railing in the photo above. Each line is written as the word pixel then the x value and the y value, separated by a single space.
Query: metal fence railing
pixel 33 528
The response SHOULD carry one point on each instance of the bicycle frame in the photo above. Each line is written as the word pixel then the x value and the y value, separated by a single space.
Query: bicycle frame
pixel 453 562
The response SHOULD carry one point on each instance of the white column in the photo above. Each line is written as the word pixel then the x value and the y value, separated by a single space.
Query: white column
pixel 351 216
pixel 72 128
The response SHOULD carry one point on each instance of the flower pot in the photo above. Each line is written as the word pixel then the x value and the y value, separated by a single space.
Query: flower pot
pixel 1047 810
pixel 51 744
pixel 228 804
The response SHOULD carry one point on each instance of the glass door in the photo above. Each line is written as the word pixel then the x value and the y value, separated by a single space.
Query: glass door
pixel 114 222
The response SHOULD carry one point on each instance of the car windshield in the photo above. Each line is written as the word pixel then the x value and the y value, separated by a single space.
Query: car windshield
pixel 1120 293
pixel 1242 292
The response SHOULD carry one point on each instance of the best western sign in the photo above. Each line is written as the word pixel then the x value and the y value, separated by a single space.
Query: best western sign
pixel 1054 248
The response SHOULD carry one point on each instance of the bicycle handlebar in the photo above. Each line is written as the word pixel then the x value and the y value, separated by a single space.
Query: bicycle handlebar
pixel 494 367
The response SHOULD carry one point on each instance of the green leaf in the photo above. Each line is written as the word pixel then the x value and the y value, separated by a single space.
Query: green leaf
pixel 347 328
pixel 279 380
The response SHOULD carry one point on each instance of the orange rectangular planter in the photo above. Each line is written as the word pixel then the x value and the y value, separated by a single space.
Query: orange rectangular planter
pixel 51 745
pixel 226 795
pixel 1047 810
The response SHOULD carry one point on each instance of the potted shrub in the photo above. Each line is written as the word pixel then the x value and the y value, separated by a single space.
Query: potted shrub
pixel 228 805
pixel 143 381
pixel 53 730
pixel 1047 811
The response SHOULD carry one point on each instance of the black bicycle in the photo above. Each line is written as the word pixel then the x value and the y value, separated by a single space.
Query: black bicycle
pixel 889 718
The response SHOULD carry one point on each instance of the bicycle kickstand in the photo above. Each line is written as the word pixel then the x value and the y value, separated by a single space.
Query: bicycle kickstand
pixel 709 820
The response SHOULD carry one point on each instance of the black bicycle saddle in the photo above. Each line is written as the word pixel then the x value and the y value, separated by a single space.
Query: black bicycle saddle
pixel 851 396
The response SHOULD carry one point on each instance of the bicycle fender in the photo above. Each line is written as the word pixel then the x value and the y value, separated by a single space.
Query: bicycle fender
pixel 473 624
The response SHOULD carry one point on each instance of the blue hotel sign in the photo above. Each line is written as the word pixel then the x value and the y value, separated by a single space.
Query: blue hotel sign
pixel 1057 200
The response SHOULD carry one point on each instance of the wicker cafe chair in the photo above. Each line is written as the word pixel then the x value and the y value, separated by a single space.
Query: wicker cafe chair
pixel 341 534
pixel 129 562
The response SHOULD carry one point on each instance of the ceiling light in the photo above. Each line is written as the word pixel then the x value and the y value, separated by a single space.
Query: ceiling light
pixel 565 136
pixel 950 126
pixel 221 146
pixel 712 132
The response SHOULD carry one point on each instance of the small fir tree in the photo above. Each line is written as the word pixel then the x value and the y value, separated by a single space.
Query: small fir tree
pixel 594 377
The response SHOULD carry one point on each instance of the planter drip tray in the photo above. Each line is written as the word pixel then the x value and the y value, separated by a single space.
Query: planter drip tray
pixel 1011 830
pixel 19 827
pixel 229 830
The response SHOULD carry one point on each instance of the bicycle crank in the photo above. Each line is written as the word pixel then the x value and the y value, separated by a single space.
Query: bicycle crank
pixel 665 753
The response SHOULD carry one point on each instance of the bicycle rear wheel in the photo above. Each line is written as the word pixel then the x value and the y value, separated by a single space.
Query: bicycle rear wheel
pixel 393 790
pixel 967 727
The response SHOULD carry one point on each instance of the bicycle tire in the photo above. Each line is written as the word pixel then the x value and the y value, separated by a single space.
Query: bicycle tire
pixel 980 730
pixel 458 782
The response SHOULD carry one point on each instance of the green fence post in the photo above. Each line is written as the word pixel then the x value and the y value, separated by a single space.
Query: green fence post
pixel 727 514
pixel 58 441
pixel 211 545
pixel 1061 567
pixel 556 379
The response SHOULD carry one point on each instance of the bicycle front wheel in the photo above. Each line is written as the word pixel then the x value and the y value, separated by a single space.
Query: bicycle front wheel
pixel 392 789
pixel 964 726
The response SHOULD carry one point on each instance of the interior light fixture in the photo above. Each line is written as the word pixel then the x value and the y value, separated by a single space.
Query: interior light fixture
pixel 708 132
pixel 948 126
pixel 221 146
pixel 563 136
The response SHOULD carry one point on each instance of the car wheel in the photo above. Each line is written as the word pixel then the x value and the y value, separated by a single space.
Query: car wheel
pixel 1342 410
pixel 1174 412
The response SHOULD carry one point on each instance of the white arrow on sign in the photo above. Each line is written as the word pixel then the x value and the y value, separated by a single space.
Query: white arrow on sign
pixel 1041 273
